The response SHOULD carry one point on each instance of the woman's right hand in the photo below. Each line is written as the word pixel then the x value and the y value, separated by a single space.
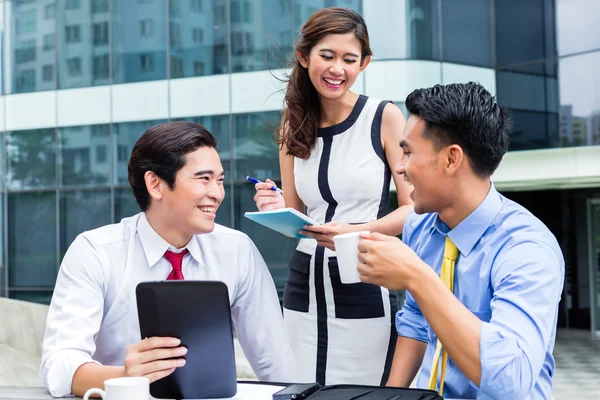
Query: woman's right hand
pixel 267 199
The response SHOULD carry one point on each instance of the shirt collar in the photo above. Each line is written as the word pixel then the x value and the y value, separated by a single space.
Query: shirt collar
pixel 155 246
pixel 468 232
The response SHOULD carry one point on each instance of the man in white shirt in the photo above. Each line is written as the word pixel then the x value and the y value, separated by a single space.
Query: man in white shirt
pixel 92 330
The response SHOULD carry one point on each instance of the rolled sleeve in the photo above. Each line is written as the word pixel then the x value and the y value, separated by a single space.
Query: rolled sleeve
pixel 74 317
pixel 410 322
pixel 58 371
pixel 259 322
pixel 527 282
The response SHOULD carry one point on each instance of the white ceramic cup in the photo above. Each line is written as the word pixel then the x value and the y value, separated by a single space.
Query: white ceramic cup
pixel 127 388
pixel 346 251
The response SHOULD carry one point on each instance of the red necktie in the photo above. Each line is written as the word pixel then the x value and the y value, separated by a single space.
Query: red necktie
pixel 175 260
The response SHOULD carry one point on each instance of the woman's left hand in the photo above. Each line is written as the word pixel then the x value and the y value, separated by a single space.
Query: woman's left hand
pixel 324 234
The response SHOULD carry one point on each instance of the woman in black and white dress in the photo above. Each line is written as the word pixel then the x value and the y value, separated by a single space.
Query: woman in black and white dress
pixel 338 153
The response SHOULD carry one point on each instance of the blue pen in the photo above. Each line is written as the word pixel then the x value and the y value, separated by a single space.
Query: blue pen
pixel 254 180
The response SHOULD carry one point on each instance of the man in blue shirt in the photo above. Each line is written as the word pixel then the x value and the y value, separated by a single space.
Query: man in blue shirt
pixel 493 312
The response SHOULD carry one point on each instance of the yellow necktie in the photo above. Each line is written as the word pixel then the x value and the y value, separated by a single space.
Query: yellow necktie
pixel 447 275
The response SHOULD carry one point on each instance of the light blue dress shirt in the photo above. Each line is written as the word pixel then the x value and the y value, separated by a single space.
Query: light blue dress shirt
pixel 509 273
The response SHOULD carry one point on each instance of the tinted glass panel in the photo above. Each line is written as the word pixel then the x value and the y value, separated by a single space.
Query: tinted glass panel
pixel 31 159
pixel 522 34
pixel 83 45
pixel 198 38
pixel 82 210
pixel 577 27
pixel 126 134
pixel 579 88
pixel 29 54
pixel 275 248
pixel 255 150
pixel 41 297
pixel 260 31
pixel 85 155
pixel 125 204
pixel 32 239
pixel 467 32
pixel 139 52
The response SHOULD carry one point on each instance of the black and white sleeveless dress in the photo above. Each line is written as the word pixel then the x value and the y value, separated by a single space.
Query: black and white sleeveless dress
pixel 341 333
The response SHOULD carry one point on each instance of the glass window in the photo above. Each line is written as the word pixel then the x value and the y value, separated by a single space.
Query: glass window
pixel 146 62
pixel 32 239
pixel 522 34
pixel 264 238
pixel 176 67
pixel 79 163
pixel 100 68
pixel 100 34
pixel 48 72
pixel 414 26
pixel 74 66
pixel 260 30
pixel 72 34
pixel 200 37
pixel 80 211
pixel 146 28
pixel 49 42
pixel 198 68
pixel 533 130
pixel 26 81
pixel 134 60
pixel 27 22
pixel 577 27
pixel 255 150
pixel 579 88
pixel 41 297
pixel 23 58
pixel 197 5
pixel 467 32
pixel 99 6
pixel 175 35
pixel 26 51
pixel 125 204
pixel 72 4
pixel 533 100
pixel 126 134
pixel 31 159
pixel 83 66
pixel 49 11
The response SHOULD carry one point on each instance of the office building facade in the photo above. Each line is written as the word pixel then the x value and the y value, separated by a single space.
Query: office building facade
pixel 81 80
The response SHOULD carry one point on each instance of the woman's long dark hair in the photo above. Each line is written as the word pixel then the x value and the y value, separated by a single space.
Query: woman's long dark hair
pixel 302 111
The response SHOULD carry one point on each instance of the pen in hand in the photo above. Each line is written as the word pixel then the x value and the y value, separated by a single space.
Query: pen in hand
pixel 254 180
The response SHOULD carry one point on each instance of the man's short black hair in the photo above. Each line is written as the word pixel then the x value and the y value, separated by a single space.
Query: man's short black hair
pixel 162 149
pixel 467 115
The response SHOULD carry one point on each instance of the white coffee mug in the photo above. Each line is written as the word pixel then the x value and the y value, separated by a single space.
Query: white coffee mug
pixel 346 251
pixel 127 388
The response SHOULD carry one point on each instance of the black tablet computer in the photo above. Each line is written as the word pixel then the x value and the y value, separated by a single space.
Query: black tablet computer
pixel 197 313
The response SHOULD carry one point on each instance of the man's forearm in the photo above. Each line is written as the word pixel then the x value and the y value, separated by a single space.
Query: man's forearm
pixel 458 329
pixel 408 357
pixel 92 375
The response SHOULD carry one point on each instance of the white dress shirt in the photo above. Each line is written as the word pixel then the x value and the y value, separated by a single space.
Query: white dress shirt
pixel 93 313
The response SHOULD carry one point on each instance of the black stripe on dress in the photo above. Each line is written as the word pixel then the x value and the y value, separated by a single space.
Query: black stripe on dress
pixel 383 210
pixel 322 332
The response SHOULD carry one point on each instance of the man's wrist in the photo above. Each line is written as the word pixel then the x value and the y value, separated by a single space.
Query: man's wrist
pixel 421 278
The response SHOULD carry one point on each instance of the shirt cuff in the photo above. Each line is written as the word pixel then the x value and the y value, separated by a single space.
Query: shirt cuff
pixel 411 325
pixel 502 373
pixel 59 374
